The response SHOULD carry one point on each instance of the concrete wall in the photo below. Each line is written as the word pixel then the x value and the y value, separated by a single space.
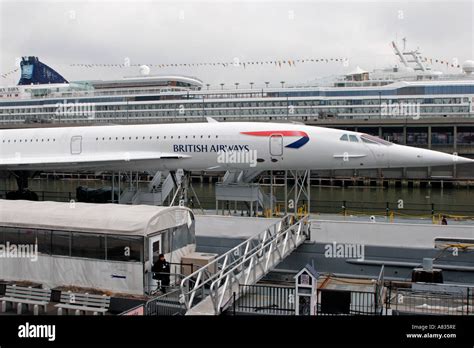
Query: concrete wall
pixel 385 234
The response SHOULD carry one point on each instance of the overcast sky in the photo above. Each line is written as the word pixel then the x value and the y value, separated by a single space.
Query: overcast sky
pixel 168 32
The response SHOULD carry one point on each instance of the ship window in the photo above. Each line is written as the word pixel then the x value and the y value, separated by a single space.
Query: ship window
pixel 353 138
pixel 344 138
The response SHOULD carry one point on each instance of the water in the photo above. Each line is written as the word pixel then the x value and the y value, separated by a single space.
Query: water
pixel 323 199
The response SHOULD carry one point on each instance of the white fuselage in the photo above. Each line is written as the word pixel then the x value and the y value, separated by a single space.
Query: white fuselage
pixel 204 146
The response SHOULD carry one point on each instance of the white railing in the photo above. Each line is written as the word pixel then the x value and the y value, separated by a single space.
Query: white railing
pixel 127 196
pixel 244 264
pixel 167 187
pixel 156 181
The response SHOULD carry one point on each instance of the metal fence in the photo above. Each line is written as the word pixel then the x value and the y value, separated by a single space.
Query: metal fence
pixel 167 305
pixel 388 299
pixel 345 207
pixel 409 301
pixel 398 208
pixel 347 302
pixel 47 195
pixel 262 299
pixel 137 310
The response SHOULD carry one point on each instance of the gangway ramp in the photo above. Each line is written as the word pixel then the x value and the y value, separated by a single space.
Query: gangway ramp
pixel 212 288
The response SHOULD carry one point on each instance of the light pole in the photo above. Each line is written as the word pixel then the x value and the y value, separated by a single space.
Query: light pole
pixel 266 84
pixel 236 85
pixel 222 86
pixel 282 84
pixel 207 85
pixel 251 85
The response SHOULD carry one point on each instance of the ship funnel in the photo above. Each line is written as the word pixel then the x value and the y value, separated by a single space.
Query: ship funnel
pixel 33 72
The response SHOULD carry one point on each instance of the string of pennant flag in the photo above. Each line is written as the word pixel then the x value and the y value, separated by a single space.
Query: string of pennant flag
pixel 9 73
pixel 237 63
pixel 278 63
pixel 440 61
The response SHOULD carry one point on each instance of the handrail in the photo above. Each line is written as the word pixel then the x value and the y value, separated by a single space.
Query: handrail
pixel 225 261
pixel 271 248
pixel 264 251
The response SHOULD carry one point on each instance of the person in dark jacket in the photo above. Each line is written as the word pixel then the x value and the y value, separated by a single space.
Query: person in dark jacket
pixel 444 221
pixel 161 272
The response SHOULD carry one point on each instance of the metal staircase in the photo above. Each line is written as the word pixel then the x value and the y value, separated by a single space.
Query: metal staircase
pixel 156 194
pixel 237 186
pixel 212 288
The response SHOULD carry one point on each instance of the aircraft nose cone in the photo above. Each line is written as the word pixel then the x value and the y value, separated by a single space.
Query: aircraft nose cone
pixel 406 156
pixel 463 160
pixel 433 158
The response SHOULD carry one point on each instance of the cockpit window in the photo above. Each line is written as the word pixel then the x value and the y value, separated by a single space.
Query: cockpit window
pixel 370 139
pixel 353 138
pixel 344 138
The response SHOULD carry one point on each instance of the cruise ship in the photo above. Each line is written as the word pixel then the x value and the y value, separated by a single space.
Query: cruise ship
pixel 409 103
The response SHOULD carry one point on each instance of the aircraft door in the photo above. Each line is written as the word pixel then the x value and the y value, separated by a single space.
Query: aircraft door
pixel 76 145
pixel 276 145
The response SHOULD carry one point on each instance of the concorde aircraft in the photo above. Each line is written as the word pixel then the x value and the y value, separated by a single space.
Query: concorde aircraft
pixel 207 146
